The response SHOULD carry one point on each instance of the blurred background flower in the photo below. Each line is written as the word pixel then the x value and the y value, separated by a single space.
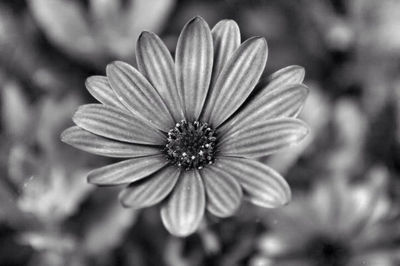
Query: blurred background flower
pixel 49 215
pixel 337 223
pixel 99 31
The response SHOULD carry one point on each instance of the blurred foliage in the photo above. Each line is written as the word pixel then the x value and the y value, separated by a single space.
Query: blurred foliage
pixel 49 215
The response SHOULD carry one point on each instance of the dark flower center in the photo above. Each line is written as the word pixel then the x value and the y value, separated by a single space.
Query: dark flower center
pixel 191 145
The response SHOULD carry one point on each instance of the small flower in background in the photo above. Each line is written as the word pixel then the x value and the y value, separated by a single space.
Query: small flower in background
pixel 104 30
pixel 338 223
pixel 190 128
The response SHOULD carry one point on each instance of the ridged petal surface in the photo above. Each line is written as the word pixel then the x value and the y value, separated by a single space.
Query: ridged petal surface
pixel 286 101
pixel 261 184
pixel 138 95
pixel 184 210
pixel 286 76
pixel 194 62
pixel 236 81
pixel 101 90
pixel 89 142
pixel 263 138
pixel 226 39
pixel 156 63
pixel 224 193
pixel 115 124
pixel 127 171
pixel 152 190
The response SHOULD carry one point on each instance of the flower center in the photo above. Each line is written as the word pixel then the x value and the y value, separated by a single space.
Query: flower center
pixel 191 145
pixel 326 251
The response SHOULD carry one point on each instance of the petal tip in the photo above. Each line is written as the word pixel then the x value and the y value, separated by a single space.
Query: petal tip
pixel 298 71
pixel 197 21
pixel 301 71
pixel 145 35
pixel 89 81
pixel 259 40
pixel 287 198
pixel 182 231
pixel 305 130
pixel 228 22
pixel 114 65
pixel 65 136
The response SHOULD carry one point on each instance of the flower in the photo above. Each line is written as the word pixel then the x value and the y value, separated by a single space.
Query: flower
pixel 190 133
pixel 337 224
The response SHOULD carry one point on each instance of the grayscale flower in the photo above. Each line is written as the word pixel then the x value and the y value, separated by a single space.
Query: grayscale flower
pixel 189 127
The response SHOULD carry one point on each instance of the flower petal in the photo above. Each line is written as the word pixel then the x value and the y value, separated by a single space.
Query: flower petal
pixel 101 90
pixel 263 137
pixel 194 61
pixel 236 81
pixel 184 210
pixel 92 143
pixel 127 171
pixel 286 76
pixel 151 190
pixel 138 95
pixel 263 185
pixel 283 102
pixel 226 39
pixel 224 193
pixel 115 124
pixel 156 63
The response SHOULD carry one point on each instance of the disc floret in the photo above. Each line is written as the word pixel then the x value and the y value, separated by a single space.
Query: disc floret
pixel 191 145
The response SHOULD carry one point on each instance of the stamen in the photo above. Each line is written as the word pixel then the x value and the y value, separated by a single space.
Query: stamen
pixel 191 145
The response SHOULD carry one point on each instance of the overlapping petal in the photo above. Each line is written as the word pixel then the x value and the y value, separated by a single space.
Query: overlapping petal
pixel 115 124
pixel 151 190
pixel 262 185
pixel 236 81
pixel 127 171
pixel 101 90
pixel 156 63
pixel 286 101
pixel 224 193
pixel 226 39
pixel 138 95
pixel 184 210
pixel 263 137
pixel 194 62
pixel 84 140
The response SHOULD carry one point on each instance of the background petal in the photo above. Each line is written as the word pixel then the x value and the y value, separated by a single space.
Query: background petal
pixel 184 210
pixel 263 137
pixel 286 101
pixel 224 193
pixel 127 171
pixel 263 185
pixel 226 39
pixel 138 95
pixel 92 143
pixel 115 124
pixel 236 81
pixel 194 62
pixel 156 63
pixel 152 190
